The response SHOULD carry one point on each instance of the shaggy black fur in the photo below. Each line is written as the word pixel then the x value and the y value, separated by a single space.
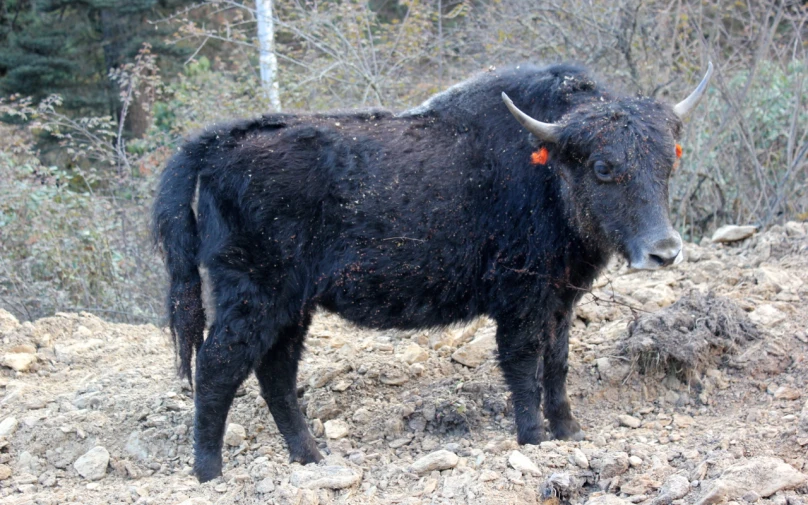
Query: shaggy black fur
pixel 418 220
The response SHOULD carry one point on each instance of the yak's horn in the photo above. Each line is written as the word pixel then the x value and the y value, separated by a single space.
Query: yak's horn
pixel 686 106
pixel 547 132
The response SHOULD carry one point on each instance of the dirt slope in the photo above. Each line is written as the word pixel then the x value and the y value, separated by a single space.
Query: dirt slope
pixel 729 425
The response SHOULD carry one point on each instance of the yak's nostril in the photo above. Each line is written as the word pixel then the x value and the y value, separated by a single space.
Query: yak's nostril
pixel 664 259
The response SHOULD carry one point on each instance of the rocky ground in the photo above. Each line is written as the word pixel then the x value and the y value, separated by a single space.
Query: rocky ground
pixel 700 401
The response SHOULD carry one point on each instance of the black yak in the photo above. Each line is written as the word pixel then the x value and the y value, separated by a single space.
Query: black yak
pixel 421 219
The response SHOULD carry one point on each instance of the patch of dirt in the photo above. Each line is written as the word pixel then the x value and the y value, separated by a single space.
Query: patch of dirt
pixel 73 382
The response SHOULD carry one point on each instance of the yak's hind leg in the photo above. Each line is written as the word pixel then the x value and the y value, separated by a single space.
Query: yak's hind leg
pixel 277 374
pixel 556 402
pixel 224 361
pixel 245 326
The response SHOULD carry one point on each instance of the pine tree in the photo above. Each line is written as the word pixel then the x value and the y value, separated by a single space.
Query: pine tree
pixel 69 46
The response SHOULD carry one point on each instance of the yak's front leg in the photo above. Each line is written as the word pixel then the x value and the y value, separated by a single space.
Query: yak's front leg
pixel 556 402
pixel 522 362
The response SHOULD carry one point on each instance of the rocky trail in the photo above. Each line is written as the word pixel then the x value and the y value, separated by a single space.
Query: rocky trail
pixel 690 383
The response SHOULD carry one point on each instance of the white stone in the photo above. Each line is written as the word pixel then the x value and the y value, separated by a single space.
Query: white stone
pixel 336 428
pixel 607 499
pixel 795 229
pixel 579 458
pixel 661 295
pixel 438 460
pixel 520 462
pixel 93 464
pixel 8 323
pixel 413 353
pixel 767 315
pixel 330 477
pixel 195 501
pixel 733 233
pixel 8 426
pixel 82 332
pixel 629 421
pixel 778 279
pixel 235 434
pixel 683 420
pixel 456 335
pixel 19 361
pixel 480 349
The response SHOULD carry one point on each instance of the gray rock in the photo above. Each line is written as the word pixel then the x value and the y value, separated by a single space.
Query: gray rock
pixel 764 476
pixel 675 487
pixel 438 460
pixel 47 479
pixel 93 464
pixel 328 477
pixel 733 233
pixel 265 486
pixel 328 374
pixel 610 372
pixel 610 464
pixel 803 423
pixel 393 376
pixel 135 447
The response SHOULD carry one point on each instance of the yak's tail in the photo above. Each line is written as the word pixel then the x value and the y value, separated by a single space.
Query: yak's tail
pixel 175 233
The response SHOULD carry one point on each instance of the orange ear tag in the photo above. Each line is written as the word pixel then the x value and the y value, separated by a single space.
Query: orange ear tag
pixel 540 157
pixel 678 150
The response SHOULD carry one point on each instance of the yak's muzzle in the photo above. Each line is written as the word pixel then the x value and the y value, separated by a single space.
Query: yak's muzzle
pixel 658 253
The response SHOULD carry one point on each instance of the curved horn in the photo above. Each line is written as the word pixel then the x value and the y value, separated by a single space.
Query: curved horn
pixel 548 132
pixel 686 106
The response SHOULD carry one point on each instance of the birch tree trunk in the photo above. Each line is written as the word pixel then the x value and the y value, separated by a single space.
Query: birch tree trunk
pixel 267 59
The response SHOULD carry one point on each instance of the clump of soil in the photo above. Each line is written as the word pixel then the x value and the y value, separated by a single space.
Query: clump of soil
pixel 692 334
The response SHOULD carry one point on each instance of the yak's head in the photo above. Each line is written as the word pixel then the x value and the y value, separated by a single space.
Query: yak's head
pixel 616 157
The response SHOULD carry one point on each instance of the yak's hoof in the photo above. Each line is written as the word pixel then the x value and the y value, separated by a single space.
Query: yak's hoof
pixel 530 437
pixel 568 430
pixel 207 468
pixel 304 452
pixel 313 456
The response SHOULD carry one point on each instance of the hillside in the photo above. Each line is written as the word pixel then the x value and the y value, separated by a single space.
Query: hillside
pixel 695 402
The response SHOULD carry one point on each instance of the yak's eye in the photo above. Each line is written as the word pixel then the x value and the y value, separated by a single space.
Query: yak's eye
pixel 603 171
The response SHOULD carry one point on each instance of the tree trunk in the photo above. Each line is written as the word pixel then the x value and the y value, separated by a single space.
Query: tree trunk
pixel 267 59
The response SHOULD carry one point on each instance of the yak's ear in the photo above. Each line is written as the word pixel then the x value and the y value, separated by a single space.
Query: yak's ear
pixel 546 132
